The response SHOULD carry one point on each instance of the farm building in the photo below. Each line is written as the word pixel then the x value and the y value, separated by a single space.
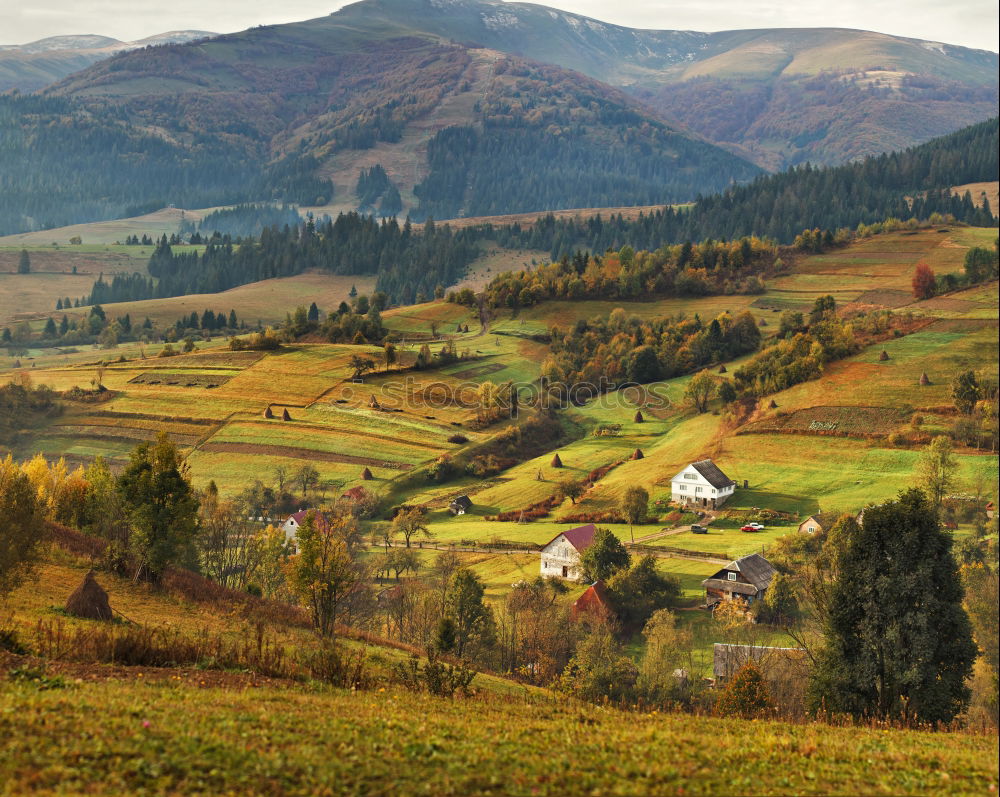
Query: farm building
pixel 703 484
pixel 593 603
pixel 817 522
pixel 355 494
pixel 747 578
pixel 561 556
pixel 777 664
pixel 291 525
pixel 460 505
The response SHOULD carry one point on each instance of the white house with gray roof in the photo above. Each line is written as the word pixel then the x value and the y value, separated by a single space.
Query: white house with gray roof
pixel 701 484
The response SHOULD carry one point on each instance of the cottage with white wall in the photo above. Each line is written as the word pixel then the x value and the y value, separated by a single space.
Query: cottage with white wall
pixel 701 484
pixel 561 557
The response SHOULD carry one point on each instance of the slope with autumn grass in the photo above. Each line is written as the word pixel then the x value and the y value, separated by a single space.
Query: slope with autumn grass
pixel 74 726
pixel 169 737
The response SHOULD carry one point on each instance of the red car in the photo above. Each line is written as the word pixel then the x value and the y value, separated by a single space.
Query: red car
pixel 749 527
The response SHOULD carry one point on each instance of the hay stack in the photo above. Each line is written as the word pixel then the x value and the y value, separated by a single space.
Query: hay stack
pixel 89 600
pixel 722 369
pixel 366 475
pixel 883 356
pixel 268 414
pixel 373 403
pixel 773 405
pixel 638 417
pixel 638 454
pixel 924 379
pixel 285 416
pixel 556 462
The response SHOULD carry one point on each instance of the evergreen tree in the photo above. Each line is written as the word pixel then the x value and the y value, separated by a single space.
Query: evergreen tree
pixel 24 263
pixel 50 329
pixel 898 642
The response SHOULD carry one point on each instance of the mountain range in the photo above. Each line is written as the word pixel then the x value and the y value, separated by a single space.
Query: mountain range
pixel 33 66
pixel 451 108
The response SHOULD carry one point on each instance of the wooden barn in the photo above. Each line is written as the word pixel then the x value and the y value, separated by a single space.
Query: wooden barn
pixel 746 578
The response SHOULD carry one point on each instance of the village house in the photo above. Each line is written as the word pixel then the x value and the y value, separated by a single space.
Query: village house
pixel 561 556
pixel 817 522
pixel 747 578
pixel 701 484
pixel 460 505
pixel 291 525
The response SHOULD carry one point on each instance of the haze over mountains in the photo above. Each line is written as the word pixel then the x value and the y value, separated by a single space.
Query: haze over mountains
pixel 476 107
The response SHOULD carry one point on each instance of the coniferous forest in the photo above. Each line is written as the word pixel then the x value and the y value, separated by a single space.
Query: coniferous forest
pixel 410 265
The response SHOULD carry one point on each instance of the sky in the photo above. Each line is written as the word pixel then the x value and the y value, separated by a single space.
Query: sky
pixel 970 23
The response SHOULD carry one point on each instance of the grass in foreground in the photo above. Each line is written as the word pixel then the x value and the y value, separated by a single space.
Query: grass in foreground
pixel 174 736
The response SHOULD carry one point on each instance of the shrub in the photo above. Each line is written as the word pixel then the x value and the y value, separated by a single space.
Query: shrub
pixel 458 438
pixel 436 677
pixel 746 695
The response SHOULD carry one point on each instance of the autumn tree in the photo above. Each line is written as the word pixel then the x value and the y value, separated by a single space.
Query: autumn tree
pixel 328 574
pixel 668 648
pixel 21 526
pixel 474 625
pixel 604 556
pixel 571 489
pixel 699 390
pixel 746 694
pixel 410 523
pixel 634 505
pixel 156 490
pixel 936 468
pixel 965 391
pixel 924 282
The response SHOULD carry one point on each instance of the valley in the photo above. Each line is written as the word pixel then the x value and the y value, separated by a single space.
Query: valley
pixel 469 397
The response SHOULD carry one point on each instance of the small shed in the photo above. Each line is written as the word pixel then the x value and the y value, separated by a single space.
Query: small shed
pixel 355 494
pixel 460 505
pixel 594 603
pixel 817 522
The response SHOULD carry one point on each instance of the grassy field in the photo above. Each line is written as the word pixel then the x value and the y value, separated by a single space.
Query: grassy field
pixel 155 224
pixel 174 736
pixel 100 729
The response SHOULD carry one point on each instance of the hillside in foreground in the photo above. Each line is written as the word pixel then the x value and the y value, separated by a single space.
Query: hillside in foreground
pixel 110 729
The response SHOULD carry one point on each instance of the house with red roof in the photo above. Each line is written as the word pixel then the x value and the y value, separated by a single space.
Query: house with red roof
pixel 291 525
pixel 561 556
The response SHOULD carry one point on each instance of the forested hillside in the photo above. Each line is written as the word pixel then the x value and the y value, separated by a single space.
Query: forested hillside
pixel 913 183
pixel 63 164
pixel 410 264
pixel 203 124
